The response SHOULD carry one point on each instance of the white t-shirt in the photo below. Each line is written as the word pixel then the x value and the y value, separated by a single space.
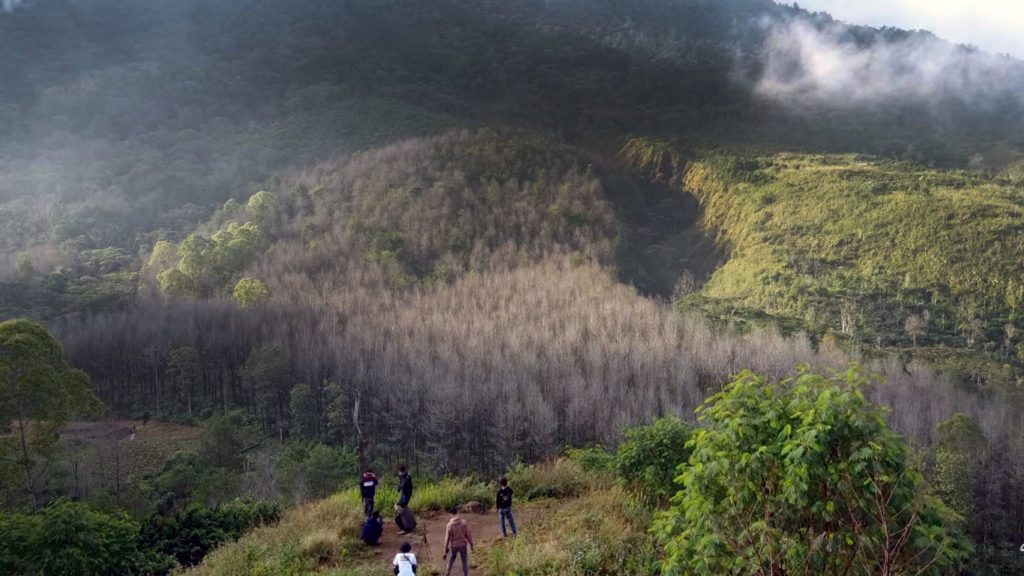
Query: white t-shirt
pixel 405 562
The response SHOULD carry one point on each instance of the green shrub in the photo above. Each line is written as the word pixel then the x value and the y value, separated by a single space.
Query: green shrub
pixel 804 477
pixel 190 534
pixel 72 539
pixel 649 458
pixel 559 478
pixel 594 459
pixel 18 533
pixel 316 470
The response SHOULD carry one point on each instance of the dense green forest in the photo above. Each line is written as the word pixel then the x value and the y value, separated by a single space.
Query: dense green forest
pixel 278 241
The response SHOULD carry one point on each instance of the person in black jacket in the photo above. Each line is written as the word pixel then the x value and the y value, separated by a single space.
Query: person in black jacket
pixel 368 490
pixel 504 505
pixel 404 487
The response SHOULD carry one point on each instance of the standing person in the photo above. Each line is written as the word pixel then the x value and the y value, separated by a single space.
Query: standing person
pixel 504 501
pixel 404 487
pixel 368 489
pixel 405 561
pixel 456 537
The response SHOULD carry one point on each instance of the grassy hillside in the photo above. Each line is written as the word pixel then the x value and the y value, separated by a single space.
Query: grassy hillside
pixel 570 520
pixel 887 240
pixel 888 253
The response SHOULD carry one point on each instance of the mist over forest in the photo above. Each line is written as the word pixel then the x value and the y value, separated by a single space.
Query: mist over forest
pixel 286 241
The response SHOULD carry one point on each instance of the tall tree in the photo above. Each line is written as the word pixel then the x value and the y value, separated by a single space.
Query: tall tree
pixel 183 372
pixel 959 452
pixel 305 412
pixel 266 373
pixel 39 393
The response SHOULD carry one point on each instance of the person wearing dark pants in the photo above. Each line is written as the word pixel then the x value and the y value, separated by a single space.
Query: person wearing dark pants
pixel 457 538
pixel 368 490
pixel 404 487
pixel 504 502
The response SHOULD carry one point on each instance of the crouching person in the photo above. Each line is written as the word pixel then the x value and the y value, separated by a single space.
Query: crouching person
pixel 372 529
pixel 404 519
pixel 405 561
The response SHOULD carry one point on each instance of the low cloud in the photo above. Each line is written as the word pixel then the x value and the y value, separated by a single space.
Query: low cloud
pixel 807 63
pixel 10 5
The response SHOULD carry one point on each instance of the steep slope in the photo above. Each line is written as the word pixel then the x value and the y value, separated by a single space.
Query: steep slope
pixel 890 254
pixel 859 245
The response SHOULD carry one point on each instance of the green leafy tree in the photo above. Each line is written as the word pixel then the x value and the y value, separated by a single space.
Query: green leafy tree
pixel 316 470
pixel 960 449
pixel 163 256
pixel 218 486
pixel 262 209
pixel 266 374
pixel 204 266
pixel 24 270
pixel 196 259
pixel 305 413
pixel 222 445
pixel 175 283
pixel 178 479
pixel 803 477
pixel 233 248
pixel 250 291
pixel 649 456
pixel 183 373
pixel 338 414
pixel 39 393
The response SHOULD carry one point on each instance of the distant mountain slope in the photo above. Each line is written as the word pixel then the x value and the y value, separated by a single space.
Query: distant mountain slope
pixel 132 120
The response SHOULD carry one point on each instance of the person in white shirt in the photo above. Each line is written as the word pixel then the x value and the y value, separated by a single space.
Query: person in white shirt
pixel 405 561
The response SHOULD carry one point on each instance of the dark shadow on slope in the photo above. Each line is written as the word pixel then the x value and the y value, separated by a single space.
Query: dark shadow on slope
pixel 662 243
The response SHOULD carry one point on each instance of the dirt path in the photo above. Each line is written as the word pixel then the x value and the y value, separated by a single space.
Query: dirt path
pixel 486 529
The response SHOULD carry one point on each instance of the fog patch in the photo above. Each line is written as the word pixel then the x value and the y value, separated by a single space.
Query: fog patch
pixel 804 63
